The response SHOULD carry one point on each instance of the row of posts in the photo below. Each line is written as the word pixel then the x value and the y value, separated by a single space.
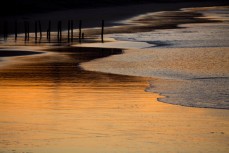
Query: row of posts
pixel 38 27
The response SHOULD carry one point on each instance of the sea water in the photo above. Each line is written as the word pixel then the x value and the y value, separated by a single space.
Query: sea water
pixel 191 60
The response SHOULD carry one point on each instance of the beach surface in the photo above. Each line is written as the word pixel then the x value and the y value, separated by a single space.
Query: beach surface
pixel 93 97
pixel 48 103
pixel 192 59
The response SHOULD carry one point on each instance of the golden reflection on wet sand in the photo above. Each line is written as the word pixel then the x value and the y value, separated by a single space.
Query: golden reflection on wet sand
pixel 49 104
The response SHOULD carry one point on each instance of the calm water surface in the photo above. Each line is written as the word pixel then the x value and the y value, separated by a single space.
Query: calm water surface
pixel 47 100
pixel 49 104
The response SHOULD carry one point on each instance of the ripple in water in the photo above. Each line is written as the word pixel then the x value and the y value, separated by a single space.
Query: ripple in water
pixel 199 92
pixel 191 61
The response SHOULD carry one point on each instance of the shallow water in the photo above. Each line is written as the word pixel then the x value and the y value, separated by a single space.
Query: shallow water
pixel 193 57
pixel 213 34
pixel 189 36
pixel 49 104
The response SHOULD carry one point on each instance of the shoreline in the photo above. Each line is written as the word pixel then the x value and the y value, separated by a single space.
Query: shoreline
pixel 49 103
pixel 151 21
pixel 109 14
pixel 138 20
pixel 198 62
pixel 118 43
pixel 110 112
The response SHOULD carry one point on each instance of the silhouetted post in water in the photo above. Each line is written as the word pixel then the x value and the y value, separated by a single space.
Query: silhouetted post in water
pixel 68 30
pixel 47 34
pixel 15 30
pixel 25 28
pixel 28 31
pixel 48 30
pixel 35 31
pixel 39 23
pixel 59 35
pixel 80 26
pixel 82 35
pixel 60 31
pixel 5 30
pixel 102 31
pixel 71 30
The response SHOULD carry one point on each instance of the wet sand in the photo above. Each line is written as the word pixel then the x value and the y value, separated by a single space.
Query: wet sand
pixel 179 74
pixel 50 104
pixel 192 59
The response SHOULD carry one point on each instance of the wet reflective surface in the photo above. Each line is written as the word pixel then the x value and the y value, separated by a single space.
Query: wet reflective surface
pixel 49 104
pixel 192 58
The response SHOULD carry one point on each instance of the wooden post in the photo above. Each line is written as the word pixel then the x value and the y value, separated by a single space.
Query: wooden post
pixel 102 31
pixel 47 34
pixel 71 30
pixel 5 30
pixel 39 24
pixel 60 31
pixel 68 30
pixel 35 31
pixel 80 26
pixel 15 30
pixel 28 30
pixel 48 31
pixel 25 28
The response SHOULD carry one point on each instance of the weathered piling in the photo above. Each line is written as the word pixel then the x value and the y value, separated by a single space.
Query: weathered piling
pixel 68 30
pixel 49 30
pixel 102 31
pixel 15 30
pixel 59 31
pixel 35 31
pixel 5 30
pixel 28 31
pixel 40 30
pixel 71 30
pixel 47 34
pixel 25 29
pixel 80 26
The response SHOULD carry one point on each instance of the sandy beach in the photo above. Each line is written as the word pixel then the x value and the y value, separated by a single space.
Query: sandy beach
pixel 137 92
pixel 57 107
